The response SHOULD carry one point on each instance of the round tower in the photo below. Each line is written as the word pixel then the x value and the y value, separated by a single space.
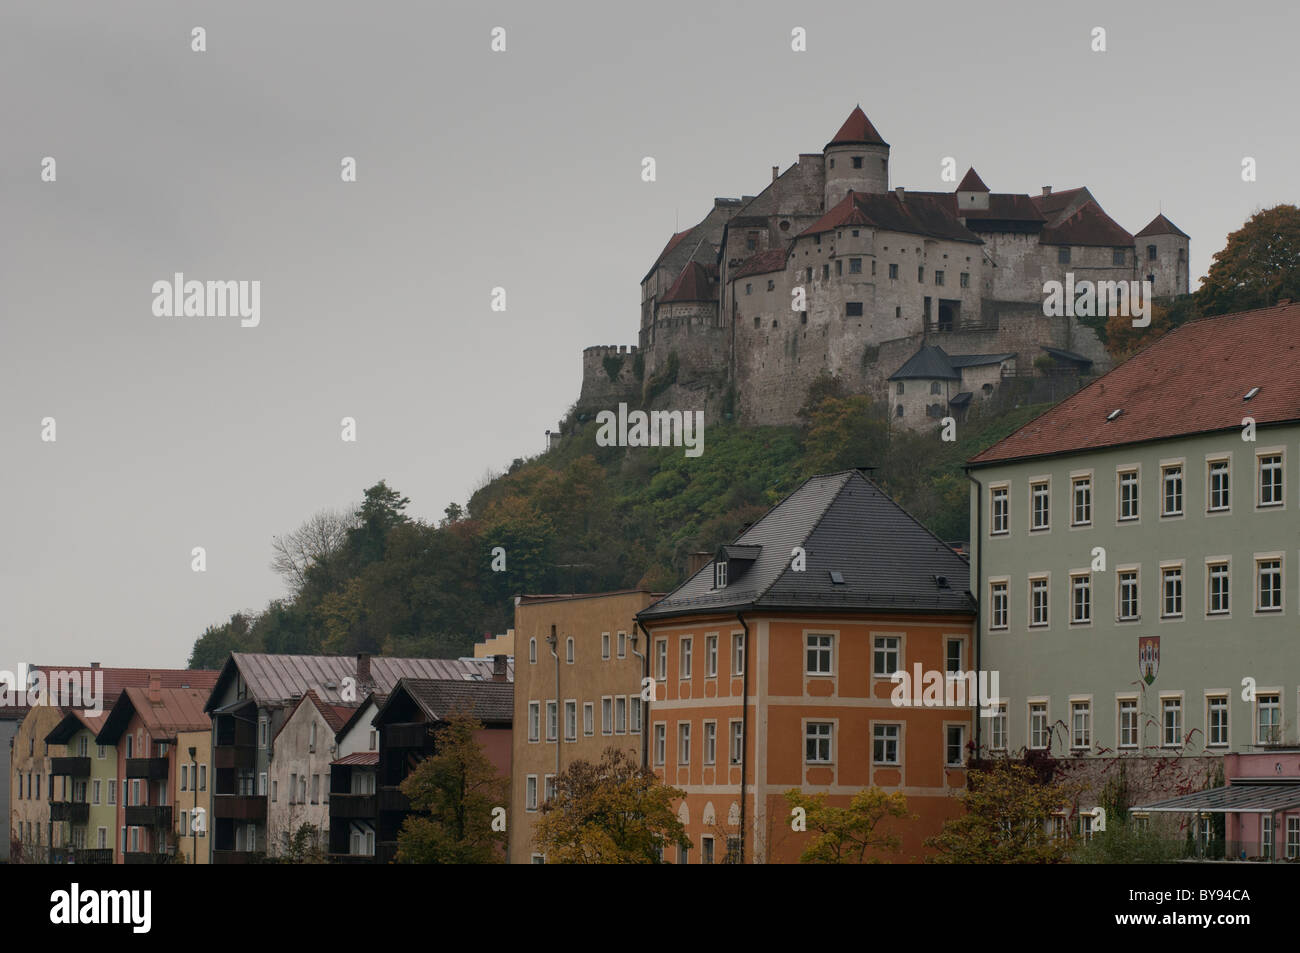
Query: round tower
pixel 857 160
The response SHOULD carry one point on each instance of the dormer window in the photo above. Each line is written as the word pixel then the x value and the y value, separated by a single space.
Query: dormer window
pixel 720 575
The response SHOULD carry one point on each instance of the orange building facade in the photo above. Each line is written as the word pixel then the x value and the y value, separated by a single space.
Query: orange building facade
pixel 808 727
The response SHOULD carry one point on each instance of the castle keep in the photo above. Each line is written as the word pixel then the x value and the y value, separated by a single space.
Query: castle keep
pixel 927 301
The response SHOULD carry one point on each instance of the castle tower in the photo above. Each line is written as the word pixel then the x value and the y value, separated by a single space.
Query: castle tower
pixel 1162 249
pixel 857 160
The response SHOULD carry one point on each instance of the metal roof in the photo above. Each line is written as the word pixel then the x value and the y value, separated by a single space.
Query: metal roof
pixel 176 709
pixel 1239 798
pixel 359 758
pixel 846 524
pixel 283 679
pixel 439 698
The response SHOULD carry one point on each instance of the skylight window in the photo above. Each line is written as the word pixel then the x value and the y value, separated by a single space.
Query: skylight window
pixel 1114 413
pixel 1251 393
pixel 837 577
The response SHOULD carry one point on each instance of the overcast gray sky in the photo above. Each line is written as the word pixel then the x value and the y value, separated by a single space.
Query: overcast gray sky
pixel 518 169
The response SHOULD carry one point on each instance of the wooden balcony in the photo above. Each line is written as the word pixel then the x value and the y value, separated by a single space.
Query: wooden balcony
pixel 146 857
pixel 72 767
pixel 353 805
pixel 235 857
pixel 92 855
pixel 148 815
pixel 240 807
pixel 405 736
pixel 392 799
pixel 78 812
pixel 152 769
pixel 238 757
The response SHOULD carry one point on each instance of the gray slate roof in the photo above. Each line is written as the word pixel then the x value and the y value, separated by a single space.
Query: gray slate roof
pixel 846 524
pixel 438 698
pixel 934 363
pixel 1237 798
pixel 283 679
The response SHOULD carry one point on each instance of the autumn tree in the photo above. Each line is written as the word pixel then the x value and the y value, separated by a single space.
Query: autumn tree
pixel 313 543
pixel 455 796
pixel 1259 266
pixel 1123 339
pixel 1007 809
pixel 845 432
pixel 845 835
pixel 610 812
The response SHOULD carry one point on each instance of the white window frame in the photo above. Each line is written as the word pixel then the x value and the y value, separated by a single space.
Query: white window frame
pixel 1172 702
pixel 1046 580
pixel 819 647
pixel 1080 581
pixel 1260 559
pixel 530 793
pixel 1226 708
pixel 1213 563
pixel 1043 484
pixel 683 744
pixel 534 722
pixel 1135 471
pixel 710 741
pixel 588 719
pixel 1081 481
pixel 685 651
pixel 1120 573
pixel 1260 454
pixel 997 583
pixel 1175 569
pixel 1078 703
pixel 711 655
pixel 999 509
pixel 881 735
pixel 1127 704
pixel 661 660
pixel 1167 469
pixel 1212 470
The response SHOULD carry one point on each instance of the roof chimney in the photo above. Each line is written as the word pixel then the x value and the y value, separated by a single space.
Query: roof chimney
pixel 697 561
pixel 1047 190
pixel 899 192
pixel 155 689
pixel 499 668
pixel 775 171
pixel 364 682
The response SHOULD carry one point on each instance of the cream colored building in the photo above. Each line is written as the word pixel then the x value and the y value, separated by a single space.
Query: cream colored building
pixel 572 703
pixel 193 796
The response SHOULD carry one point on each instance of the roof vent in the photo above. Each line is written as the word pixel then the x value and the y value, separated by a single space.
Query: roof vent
pixel 331 684
pixel 837 577
pixel 941 582
pixel 1114 413
pixel 1251 393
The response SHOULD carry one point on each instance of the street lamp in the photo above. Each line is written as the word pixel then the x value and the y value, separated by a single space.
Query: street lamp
pixel 194 787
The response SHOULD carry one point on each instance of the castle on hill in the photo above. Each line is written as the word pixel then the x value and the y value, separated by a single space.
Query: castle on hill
pixel 927 301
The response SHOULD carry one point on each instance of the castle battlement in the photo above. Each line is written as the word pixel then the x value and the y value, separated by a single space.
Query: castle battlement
pixel 600 350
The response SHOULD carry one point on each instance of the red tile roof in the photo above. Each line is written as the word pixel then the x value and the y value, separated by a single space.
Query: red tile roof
pixel 1089 225
pixel 693 284
pixel 1161 226
pixel 1003 206
pixel 857 129
pixel 765 261
pixel 916 214
pixel 1190 381
pixel 116 680
pixel 360 758
pixel 176 709
pixel 972 182
pixel 1055 202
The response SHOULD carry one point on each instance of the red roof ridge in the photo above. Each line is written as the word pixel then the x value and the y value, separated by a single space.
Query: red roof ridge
pixel 972 182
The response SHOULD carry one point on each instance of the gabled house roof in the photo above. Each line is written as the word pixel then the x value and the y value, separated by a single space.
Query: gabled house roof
pixel 1193 380
pixel 118 679
pixel 863 551
pixel 1161 226
pixel 164 714
pixel 283 679
pixel 1088 225
pixel 1054 204
pixel 915 214
pixel 492 703
pixel 75 720
pixel 336 716
pixel 857 129
pixel 933 363
pixel 375 697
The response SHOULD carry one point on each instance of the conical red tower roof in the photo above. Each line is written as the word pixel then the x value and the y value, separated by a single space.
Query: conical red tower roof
pixel 857 129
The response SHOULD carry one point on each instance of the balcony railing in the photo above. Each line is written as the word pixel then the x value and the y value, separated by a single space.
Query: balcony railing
pixel 241 807
pixel 78 812
pixel 72 767
pixel 152 769
pixel 238 757
pixel 405 736
pixel 235 857
pixel 146 857
pixel 148 815
pixel 353 805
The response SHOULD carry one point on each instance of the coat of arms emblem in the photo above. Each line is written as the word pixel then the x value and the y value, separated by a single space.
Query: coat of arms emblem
pixel 1148 657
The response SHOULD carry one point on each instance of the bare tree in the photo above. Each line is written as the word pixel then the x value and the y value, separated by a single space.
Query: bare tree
pixel 314 541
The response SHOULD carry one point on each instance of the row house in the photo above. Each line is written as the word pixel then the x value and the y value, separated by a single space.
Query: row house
pixel 353 802
pixel 87 809
pixel 774 667
pixel 302 753
pixel 11 718
pixel 44 772
pixel 408 724
pixel 1136 557
pixel 577 693
pixel 249 704
pixel 144 729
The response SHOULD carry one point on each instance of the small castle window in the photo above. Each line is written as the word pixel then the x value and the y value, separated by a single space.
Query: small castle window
pixel 893 271
pixel 853 309
pixel 803 317
pixel 1117 257
pixel 857 162
pixel 920 273
pixel 826 271
pixel 965 279
pixel 772 284
pixel 855 233
pixel 898 312
pixel 855 266
pixel 938 277
pixel 900 387
pixel 832 163
pixel 748 287
pixel 839 266
pixel 774 322
pixel 808 273
pixel 1063 256
pixel 898 411
pixel 756 319
pixel 873 266
pixel 935 387
pixel 751 241
pixel 817 239
pixel 1151 253
pixel 784 226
